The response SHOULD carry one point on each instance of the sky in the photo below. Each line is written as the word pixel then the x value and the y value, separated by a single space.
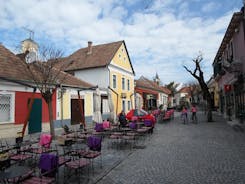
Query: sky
pixel 161 35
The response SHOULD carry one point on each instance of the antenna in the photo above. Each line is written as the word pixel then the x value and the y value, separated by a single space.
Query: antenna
pixel 31 32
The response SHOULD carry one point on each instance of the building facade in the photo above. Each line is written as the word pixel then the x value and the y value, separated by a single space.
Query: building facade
pixel 229 68
pixel 109 67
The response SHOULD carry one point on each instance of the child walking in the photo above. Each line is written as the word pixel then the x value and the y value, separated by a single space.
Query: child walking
pixel 184 115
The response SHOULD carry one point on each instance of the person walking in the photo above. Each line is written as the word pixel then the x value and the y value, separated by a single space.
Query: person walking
pixel 194 113
pixel 184 115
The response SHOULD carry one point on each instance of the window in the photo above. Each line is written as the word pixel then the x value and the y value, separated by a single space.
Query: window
pixel 6 108
pixel 123 106
pixel 119 55
pixel 231 52
pixel 114 81
pixel 123 83
pixel 129 106
pixel 128 85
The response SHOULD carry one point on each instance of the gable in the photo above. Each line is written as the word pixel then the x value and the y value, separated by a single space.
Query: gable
pixel 121 59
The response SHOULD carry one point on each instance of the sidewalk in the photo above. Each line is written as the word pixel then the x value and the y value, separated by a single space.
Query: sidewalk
pixel 11 130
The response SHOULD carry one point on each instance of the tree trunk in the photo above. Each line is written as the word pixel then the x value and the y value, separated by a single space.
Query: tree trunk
pixel 50 110
pixel 209 110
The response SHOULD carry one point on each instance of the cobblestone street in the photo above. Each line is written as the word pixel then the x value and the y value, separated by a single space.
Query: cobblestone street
pixel 192 153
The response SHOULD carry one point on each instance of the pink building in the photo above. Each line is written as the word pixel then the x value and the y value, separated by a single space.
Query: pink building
pixel 229 67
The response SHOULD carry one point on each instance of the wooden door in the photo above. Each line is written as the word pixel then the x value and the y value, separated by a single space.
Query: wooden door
pixel 77 116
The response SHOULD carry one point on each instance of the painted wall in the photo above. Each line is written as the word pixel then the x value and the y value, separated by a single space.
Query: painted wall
pixel 121 59
pixel 63 106
pixel 162 100
pixel 88 101
pixel 121 68
pixel 21 108
pixel 94 76
pixel 239 45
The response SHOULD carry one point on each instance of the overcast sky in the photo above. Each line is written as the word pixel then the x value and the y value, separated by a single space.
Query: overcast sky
pixel 160 35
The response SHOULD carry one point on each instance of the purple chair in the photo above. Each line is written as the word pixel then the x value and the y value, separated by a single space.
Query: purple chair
pixel 133 125
pixel 148 123
pixel 48 166
pixel 99 127
pixel 94 143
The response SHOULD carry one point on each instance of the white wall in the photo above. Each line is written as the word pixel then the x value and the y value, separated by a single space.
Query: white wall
pixel 94 76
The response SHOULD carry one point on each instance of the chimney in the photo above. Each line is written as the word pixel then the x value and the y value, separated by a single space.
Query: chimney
pixel 89 47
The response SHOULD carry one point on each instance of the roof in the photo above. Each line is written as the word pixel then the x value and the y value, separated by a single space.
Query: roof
pixel 14 69
pixel 101 56
pixel 184 90
pixel 234 23
pixel 11 66
pixel 148 84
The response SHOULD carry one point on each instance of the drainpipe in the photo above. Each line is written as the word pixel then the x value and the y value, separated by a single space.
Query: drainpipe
pixel 61 101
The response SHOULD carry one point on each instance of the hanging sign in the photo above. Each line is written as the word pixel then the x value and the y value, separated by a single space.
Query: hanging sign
pixel 227 87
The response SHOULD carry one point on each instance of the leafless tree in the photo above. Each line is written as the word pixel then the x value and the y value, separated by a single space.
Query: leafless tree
pixel 194 90
pixel 197 73
pixel 46 77
pixel 172 86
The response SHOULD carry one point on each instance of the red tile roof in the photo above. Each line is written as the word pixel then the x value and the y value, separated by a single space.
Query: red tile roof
pixel 101 56
pixel 184 90
pixel 148 84
pixel 14 69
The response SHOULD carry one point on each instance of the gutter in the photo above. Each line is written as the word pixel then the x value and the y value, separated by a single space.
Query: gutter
pixel 17 82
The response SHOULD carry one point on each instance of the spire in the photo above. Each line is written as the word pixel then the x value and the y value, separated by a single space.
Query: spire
pixel 157 79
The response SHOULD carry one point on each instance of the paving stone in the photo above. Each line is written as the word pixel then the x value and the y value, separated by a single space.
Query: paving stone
pixel 184 154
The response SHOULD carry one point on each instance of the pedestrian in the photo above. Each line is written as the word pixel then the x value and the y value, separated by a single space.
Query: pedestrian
pixel 122 119
pixel 194 113
pixel 184 115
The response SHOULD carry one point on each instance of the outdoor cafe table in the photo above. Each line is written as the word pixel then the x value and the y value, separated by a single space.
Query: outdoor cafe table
pixel 13 172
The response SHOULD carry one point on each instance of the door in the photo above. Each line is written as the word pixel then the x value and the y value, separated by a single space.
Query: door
pixel 77 116
pixel 35 120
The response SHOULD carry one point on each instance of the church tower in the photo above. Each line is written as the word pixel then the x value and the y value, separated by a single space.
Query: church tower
pixel 30 47
pixel 157 79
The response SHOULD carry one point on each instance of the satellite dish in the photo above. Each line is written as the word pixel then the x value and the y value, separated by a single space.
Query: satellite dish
pixel 31 57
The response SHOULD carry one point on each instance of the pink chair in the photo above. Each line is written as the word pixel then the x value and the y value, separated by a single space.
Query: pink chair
pixel 134 118
pixel 45 140
pixel 106 124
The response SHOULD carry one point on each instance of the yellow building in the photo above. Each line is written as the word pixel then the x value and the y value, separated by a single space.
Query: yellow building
pixel 107 66
pixel 214 90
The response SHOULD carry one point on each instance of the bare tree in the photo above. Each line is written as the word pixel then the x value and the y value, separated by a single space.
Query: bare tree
pixel 194 88
pixel 46 77
pixel 197 73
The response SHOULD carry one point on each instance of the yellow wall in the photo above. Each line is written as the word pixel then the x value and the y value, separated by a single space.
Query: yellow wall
pixel 66 106
pixel 88 104
pixel 216 94
pixel 121 60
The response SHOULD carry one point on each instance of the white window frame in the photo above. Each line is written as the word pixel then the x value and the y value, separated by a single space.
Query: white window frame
pixel 12 106
pixel 123 83
pixel 128 84
pixel 124 105
pixel 114 82
pixel 129 105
